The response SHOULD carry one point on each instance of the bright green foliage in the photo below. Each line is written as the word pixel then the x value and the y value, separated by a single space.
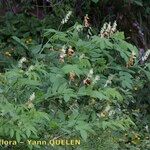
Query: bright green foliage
pixel 71 108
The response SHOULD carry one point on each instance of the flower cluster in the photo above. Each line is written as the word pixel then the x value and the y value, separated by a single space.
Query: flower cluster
pixel 65 20
pixel 109 80
pixel 66 52
pixel 62 54
pixel 28 40
pixel 96 79
pixel 138 29
pixel 89 79
pixel 107 112
pixel 31 68
pixel 70 52
pixel 30 101
pixel 87 26
pixel 72 76
pixel 145 57
pixel 86 21
pixel 131 60
pixel 108 30
pixel 21 61
pixel 8 54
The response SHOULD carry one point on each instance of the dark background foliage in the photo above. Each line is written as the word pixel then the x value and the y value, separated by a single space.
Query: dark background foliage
pixel 133 16
pixel 31 29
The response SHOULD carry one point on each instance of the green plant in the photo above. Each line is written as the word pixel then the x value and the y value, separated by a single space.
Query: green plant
pixel 71 86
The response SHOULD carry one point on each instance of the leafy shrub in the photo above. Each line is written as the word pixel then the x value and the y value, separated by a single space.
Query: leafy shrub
pixel 72 86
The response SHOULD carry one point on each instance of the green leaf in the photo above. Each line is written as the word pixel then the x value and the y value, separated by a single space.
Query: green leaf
pixel 28 132
pixel 71 68
pixel 29 82
pixel 36 49
pixel 11 132
pixel 138 2
pixel 84 63
pixel 119 35
pixel 82 91
pixel 113 93
pixel 84 134
pixel 62 87
pixel 66 97
pixel 126 79
pixel 126 84
pixel 19 42
pixel 48 31
pixel 98 94
pixel 18 138
pixel 95 1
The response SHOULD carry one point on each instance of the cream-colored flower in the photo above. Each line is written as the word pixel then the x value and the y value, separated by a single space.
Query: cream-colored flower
pixel 29 103
pixel 90 74
pixel 97 77
pixel 21 61
pixel 32 96
pixel 65 20
pixel 31 68
pixel 145 57
pixel 62 54
pixel 107 30
pixel 109 80
pixel 114 27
